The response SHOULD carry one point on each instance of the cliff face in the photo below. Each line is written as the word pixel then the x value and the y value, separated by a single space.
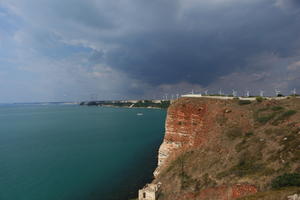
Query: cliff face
pixel 194 122
pixel 225 149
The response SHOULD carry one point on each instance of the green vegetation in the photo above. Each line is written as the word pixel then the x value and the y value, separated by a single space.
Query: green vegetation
pixel 165 104
pixel 277 108
pixel 265 118
pixel 284 116
pixel 248 134
pixel 288 114
pixel 148 103
pixel 266 114
pixel 244 102
pixel 259 99
pixel 285 180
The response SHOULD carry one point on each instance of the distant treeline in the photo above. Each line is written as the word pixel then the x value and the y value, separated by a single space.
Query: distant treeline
pixel 133 104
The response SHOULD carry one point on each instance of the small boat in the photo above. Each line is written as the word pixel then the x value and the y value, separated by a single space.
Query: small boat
pixel 139 114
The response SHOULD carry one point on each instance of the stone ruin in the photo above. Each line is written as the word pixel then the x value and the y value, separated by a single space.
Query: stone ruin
pixel 294 197
pixel 149 192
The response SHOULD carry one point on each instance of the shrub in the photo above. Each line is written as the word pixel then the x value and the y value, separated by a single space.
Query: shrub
pixel 284 116
pixel 165 104
pixel 264 119
pixel 285 180
pixel 244 102
pixel 259 99
pixel 288 114
pixel 277 108
pixel 248 134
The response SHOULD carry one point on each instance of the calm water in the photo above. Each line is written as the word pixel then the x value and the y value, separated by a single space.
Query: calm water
pixel 76 153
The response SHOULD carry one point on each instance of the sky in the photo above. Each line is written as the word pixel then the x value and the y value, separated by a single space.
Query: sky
pixel 74 50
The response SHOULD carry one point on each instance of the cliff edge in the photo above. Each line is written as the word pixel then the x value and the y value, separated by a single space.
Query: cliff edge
pixel 227 149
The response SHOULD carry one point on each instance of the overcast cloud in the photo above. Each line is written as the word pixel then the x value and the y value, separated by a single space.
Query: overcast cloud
pixel 54 50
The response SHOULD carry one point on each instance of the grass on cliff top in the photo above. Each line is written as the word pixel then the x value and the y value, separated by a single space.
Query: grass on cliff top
pixel 284 116
pixel 264 115
pixel 273 194
pixel 275 114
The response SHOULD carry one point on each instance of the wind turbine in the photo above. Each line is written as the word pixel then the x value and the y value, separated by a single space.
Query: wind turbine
pixel 247 93
pixel 220 92
pixel 205 92
pixel 294 91
pixel 261 93
pixel 177 95
pixel 234 93
pixel 277 92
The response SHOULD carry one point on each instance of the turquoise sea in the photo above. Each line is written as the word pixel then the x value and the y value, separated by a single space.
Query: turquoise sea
pixel 71 152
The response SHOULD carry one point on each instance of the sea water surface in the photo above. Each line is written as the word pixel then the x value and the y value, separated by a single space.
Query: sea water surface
pixel 70 152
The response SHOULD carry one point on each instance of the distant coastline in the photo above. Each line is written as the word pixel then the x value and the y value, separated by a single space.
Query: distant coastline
pixel 152 104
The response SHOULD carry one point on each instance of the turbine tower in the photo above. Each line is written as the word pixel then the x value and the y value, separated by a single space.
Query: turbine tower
pixel 261 93
pixel 220 92
pixel 206 92
pixel 294 91
pixel 247 93
pixel 277 92
pixel 234 93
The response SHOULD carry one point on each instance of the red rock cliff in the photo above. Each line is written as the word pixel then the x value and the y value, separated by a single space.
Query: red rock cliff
pixel 225 149
pixel 192 123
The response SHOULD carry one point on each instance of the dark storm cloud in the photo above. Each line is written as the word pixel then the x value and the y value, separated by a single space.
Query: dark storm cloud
pixel 290 5
pixel 169 41
pixel 201 45
pixel 137 45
